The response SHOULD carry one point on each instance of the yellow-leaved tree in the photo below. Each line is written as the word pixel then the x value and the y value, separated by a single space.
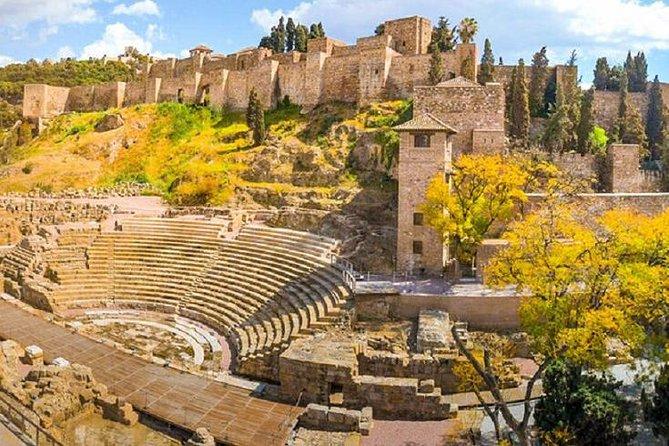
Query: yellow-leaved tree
pixel 483 190
pixel 583 284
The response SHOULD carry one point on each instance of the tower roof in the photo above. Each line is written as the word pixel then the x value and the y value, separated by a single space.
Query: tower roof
pixel 459 81
pixel 425 122
pixel 201 48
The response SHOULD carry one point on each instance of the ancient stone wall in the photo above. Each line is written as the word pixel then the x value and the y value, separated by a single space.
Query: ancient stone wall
pixel 584 167
pixel 606 104
pixel 465 106
pixel 376 68
pixel 481 312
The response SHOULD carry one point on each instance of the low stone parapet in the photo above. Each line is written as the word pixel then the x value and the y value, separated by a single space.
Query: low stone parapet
pixel 337 419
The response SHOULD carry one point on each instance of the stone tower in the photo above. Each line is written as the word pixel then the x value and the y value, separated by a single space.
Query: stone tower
pixel 425 152
pixel 411 35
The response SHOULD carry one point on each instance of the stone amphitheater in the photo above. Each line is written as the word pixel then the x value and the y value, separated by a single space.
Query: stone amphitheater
pixel 215 326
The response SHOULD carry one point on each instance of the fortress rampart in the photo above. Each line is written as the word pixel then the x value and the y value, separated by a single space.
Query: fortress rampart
pixel 387 66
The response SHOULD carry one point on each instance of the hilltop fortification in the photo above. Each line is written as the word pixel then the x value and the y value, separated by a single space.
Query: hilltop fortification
pixel 386 66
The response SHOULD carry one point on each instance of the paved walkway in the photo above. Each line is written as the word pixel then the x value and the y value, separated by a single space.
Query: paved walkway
pixel 230 413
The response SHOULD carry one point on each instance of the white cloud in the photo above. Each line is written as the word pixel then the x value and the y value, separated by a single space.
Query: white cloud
pixel 114 40
pixel 5 60
pixel 154 32
pixel 143 7
pixel 627 23
pixel 65 52
pixel 266 18
pixel 16 14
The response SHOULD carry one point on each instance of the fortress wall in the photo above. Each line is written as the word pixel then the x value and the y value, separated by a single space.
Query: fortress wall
pixel 288 58
pixel 606 104
pixel 135 93
pixel 292 81
pixel 324 45
pixel 109 95
pixel 44 101
pixel 408 72
pixel 584 167
pixel 252 59
pixel 488 142
pixel 262 77
pixel 216 81
pixel 340 79
pixel 344 51
pixel 81 98
pixel 216 64
pixel 185 67
pixel 463 108
pixel 373 73
pixel 163 68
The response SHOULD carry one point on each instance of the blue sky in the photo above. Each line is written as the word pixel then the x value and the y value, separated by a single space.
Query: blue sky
pixel 82 28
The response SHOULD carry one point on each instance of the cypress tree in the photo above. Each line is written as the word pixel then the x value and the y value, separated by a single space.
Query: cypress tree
pixel 443 35
pixel 380 29
pixel 519 125
pixel 641 72
pixel 602 73
pixel 487 69
pixel 321 30
pixel 620 129
pixel 634 129
pixel 630 71
pixel 538 83
pixel 501 61
pixel 255 118
pixel 436 73
pixel 655 119
pixel 573 57
pixel 586 123
pixel 313 31
pixel 558 129
pixel 290 34
pixel 301 37
pixel 266 42
pixel 280 37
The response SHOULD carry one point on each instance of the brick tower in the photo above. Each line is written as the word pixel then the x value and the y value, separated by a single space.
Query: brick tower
pixel 425 151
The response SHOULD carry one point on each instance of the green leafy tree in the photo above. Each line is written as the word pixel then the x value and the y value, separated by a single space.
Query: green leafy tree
pixel 602 73
pixel 583 284
pixel 301 38
pixel 291 32
pixel 586 122
pixel 656 410
pixel 538 84
pixel 655 119
pixel 443 35
pixel 585 406
pixel 487 67
pixel 519 110
pixel 380 29
pixel 9 114
pixel 266 42
pixel 436 72
pixel 321 30
pixel 467 30
pixel 255 118
pixel 598 141
pixel 629 127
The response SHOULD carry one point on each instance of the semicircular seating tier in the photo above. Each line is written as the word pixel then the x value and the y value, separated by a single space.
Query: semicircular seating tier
pixel 260 289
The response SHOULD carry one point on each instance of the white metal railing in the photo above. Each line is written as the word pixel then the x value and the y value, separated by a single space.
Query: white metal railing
pixel 346 268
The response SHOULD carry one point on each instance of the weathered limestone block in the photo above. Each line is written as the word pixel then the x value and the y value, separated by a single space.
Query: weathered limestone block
pixel 34 355
pixel 434 331
pixel 201 437
pixel 114 409
pixel 326 418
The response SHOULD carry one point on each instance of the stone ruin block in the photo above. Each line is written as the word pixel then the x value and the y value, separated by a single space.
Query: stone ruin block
pixel 321 417
pixel 34 355
pixel 434 332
